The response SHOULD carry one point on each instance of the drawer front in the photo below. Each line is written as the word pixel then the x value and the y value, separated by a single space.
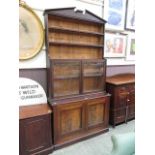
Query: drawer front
pixel 131 112
pixel 121 96
pixel 119 115
pixel 131 87
pixel 132 94
pixel 122 89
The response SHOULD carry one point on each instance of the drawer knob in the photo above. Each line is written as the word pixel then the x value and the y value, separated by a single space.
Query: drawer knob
pixel 128 100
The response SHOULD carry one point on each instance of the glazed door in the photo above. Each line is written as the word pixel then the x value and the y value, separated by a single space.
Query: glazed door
pixel 93 76
pixel 66 78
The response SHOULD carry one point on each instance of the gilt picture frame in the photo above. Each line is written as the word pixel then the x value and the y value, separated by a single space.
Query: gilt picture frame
pixel 31 32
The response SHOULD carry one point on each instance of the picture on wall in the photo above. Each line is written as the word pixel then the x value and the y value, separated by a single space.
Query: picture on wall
pixel 130 52
pixel 115 45
pixel 114 13
pixel 31 32
pixel 130 15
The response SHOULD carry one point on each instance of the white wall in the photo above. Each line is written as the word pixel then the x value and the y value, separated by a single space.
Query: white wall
pixel 95 6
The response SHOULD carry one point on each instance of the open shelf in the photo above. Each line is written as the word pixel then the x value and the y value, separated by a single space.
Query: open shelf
pixel 59 29
pixel 74 44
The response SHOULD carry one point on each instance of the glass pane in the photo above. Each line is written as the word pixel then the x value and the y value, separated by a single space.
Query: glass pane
pixel 66 77
pixel 66 87
pixel 93 68
pixel 93 84
pixel 93 76
pixel 66 70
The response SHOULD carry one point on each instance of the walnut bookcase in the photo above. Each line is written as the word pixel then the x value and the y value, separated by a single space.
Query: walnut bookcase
pixel 76 74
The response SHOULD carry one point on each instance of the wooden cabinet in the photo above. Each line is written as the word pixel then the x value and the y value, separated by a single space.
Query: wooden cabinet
pixel 76 74
pixel 79 118
pixel 122 103
pixel 35 132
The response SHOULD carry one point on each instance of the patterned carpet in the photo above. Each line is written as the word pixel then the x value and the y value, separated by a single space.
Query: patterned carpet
pixel 99 145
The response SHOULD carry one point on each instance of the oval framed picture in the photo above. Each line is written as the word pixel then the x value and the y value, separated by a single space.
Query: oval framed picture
pixel 31 33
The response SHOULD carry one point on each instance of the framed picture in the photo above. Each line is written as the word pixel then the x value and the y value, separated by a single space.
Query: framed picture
pixel 114 13
pixel 130 52
pixel 31 32
pixel 115 45
pixel 130 15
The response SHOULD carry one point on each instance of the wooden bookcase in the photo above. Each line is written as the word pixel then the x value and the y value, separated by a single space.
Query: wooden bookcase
pixel 76 74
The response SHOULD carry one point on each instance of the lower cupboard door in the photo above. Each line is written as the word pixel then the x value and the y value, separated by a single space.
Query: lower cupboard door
pixel 97 114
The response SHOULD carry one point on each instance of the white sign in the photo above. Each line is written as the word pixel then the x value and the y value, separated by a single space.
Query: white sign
pixel 31 92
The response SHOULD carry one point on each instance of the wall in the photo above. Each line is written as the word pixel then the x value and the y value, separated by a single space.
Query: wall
pixel 112 70
pixel 38 75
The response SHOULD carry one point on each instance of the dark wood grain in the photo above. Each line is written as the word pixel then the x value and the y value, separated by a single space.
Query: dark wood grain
pixel 34 110
pixel 77 72
pixel 35 135
pixel 121 79
pixel 80 119
pixel 122 102
pixel 76 77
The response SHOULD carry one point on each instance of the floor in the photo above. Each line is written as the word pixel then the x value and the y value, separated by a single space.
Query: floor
pixel 99 145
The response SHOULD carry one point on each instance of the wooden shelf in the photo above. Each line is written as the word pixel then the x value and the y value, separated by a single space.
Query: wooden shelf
pixel 62 95
pixel 66 77
pixel 93 90
pixel 59 29
pixel 93 75
pixel 74 44
pixel 74 77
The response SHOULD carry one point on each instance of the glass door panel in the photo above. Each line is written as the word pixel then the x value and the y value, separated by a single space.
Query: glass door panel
pixel 66 78
pixel 93 76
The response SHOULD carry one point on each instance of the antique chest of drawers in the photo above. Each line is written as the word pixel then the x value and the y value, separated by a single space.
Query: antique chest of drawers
pixel 122 102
